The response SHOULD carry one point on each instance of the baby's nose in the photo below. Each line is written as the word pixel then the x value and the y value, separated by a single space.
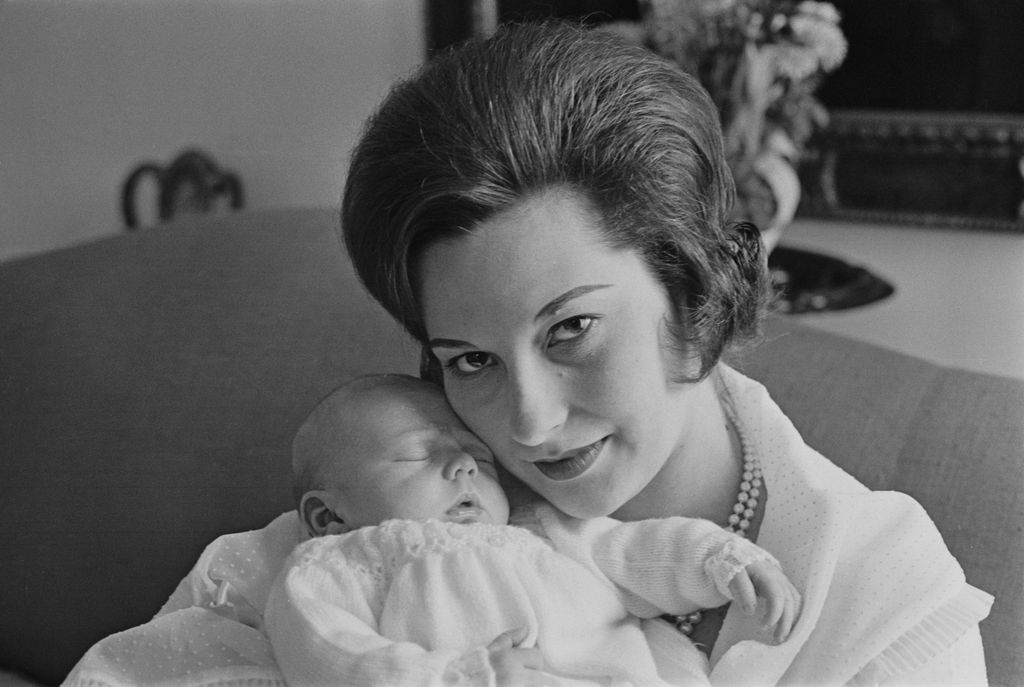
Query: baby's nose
pixel 460 463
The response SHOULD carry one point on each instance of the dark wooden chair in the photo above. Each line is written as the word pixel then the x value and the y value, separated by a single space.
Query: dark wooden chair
pixel 191 184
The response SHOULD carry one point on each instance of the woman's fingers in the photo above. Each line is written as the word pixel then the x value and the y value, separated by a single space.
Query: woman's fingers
pixel 514 665
pixel 509 639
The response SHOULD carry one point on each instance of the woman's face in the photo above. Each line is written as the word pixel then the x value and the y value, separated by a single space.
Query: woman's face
pixel 553 350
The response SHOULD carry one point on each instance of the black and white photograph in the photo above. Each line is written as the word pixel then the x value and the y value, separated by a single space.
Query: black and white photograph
pixel 511 343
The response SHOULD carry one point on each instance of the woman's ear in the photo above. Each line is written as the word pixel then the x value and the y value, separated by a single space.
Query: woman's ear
pixel 318 518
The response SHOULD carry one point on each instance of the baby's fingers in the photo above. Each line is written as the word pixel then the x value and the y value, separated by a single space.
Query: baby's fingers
pixel 779 599
pixel 790 613
pixel 784 627
pixel 782 607
pixel 773 601
pixel 743 591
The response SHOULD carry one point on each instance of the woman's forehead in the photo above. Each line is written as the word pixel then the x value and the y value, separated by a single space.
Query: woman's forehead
pixel 517 262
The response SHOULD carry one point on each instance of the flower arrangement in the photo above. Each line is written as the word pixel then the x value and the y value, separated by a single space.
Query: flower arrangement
pixel 761 61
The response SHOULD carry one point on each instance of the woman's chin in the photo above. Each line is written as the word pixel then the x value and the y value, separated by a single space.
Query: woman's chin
pixel 597 493
pixel 581 501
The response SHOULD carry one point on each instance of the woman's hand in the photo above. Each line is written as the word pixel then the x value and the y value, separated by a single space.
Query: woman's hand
pixel 515 665
pixel 762 584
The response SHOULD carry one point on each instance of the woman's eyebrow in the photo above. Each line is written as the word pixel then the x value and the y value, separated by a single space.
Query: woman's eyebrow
pixel 558 302
pixel 448 343
pixel 550 308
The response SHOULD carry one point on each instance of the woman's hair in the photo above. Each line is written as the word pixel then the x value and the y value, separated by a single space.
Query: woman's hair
pixel 547 105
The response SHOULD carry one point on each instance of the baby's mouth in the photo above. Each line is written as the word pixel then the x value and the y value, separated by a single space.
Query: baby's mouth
pixel 466 508
pixel 571 463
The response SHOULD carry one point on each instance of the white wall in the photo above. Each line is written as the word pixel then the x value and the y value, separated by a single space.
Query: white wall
pixel 274 89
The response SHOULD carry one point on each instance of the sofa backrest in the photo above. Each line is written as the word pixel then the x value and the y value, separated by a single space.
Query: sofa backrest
pixel 150 385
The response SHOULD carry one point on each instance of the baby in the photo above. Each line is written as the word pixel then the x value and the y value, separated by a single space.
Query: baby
pixel 413 574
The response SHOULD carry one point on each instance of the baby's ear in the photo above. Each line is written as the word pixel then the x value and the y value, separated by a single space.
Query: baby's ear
pixel 318 518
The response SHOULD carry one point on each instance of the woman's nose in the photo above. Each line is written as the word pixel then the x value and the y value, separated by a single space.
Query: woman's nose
pixel 459 463
pixel 536 405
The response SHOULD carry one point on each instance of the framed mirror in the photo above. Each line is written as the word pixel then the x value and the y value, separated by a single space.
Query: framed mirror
pixel 927 116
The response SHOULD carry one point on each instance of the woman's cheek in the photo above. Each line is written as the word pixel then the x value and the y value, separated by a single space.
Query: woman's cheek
pixel 599 383
pixel 481 414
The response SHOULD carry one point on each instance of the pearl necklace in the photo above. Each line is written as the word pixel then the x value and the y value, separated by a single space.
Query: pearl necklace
pixel 739 522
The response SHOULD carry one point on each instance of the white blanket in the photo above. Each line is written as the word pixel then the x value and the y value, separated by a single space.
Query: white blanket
pixel 884 600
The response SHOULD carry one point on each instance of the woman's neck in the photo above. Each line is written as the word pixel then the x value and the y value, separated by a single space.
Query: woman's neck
pixel 701 478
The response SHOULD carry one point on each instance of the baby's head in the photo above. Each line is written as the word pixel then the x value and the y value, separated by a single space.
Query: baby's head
pixel 389 446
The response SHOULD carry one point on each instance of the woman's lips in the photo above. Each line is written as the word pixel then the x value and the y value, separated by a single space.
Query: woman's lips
pixel 573 464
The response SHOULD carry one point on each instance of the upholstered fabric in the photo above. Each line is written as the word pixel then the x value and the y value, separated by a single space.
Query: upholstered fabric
pixel 150 385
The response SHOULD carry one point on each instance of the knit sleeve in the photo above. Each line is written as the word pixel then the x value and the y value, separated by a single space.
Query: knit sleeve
pixel 244 562
pixel 324 630
pixel 660 566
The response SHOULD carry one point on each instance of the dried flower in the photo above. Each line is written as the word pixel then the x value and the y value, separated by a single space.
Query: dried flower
pixel 761 61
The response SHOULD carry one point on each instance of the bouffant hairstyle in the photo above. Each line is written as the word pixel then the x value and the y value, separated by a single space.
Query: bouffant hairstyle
pixel 553 104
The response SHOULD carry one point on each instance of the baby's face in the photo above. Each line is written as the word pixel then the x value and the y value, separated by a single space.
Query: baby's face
pixel 414 459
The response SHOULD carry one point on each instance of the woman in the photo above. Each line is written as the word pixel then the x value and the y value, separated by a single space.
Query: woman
pixel 546 212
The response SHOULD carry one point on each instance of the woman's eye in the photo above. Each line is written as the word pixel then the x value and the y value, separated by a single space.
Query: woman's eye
pixel 469 363
pixel 569 329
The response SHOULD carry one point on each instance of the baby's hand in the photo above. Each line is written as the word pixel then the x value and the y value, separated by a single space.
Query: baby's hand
pixel 763 584
pixel 515 665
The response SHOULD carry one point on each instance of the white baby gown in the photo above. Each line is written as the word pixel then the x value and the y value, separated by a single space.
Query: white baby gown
pixel 417 603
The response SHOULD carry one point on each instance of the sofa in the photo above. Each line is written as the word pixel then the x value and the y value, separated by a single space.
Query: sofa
pixel 150 384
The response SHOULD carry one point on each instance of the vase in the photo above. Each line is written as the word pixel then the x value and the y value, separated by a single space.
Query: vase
pixel 778 174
